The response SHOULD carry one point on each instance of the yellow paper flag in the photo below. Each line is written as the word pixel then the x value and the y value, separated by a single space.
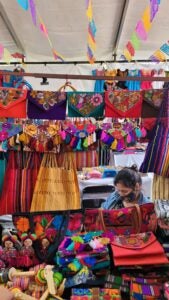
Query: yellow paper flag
pixel 146 19
pixel 127 55
pixel 91 42
pixel 7 56
pixel 160 55
pixel 89 11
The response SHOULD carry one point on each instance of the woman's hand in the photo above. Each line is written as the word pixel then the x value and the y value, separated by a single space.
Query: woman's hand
pixel 5 294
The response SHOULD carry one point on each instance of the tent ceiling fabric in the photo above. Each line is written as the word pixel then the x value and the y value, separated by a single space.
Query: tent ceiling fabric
pixel 67 23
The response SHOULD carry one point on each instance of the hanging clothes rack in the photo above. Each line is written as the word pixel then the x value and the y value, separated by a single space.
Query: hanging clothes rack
pixel 85 77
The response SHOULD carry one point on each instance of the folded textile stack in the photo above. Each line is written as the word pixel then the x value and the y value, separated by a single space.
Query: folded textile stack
pixel 89 250
pixel 166 249
pixel 137 249
pixel 95 293
pixel 162 209
pixel 162 212
pixel 136 287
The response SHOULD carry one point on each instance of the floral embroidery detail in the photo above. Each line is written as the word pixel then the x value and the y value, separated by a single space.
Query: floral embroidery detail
pixel 85 103
pixel 134 240
pixel 22 224
pixel 48 99
pixel 8 96
pixel 123 101
pixel 8 130
pixel 96 100
pixel 154 97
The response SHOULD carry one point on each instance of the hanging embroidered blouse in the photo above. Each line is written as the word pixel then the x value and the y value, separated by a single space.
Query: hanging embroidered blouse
pixel 133 85
pixel 122 84
pixel 158 84
pixel 146 85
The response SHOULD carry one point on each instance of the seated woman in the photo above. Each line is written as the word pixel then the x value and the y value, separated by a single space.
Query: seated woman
pixel 128 185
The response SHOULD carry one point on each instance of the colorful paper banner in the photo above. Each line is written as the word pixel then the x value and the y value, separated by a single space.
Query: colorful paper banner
pixel 142 28
pixel 37 17
pixel 33 11
pixel 91 42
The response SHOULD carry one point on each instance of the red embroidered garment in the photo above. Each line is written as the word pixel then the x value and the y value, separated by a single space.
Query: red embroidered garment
pixel 137 249
pixel 123 104
pixel 13 103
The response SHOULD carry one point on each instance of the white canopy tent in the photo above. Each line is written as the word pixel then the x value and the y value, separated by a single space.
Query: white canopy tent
pixel 67 23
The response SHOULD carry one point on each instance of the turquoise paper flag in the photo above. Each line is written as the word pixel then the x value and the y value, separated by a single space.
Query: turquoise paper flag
pixel 165 48
pixel 24 4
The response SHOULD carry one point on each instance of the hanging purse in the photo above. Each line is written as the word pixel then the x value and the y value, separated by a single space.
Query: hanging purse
pixel 8 130
pixel 87 104
pixel 123 104
pixel 152 100
pixel 47 105
pixel 12 103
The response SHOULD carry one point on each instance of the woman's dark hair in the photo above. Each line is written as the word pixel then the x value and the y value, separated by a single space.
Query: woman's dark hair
pixel 128 176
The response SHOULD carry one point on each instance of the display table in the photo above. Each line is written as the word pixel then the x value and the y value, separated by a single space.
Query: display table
pixel 126 159
pixel 147 183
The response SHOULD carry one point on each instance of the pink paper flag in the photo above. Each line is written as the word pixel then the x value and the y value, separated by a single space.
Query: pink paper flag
pixel 1 51
pixel 43 29
pixel 140 30
pixel 33 11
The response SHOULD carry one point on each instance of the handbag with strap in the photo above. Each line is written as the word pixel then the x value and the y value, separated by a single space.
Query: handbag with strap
pixel 47 105
pixel 88 104
pixel 123 104
pixel 12 103
pixel 137 249
pixel 114 221
pixel 28 179
pixel 134 219
pixel 56 187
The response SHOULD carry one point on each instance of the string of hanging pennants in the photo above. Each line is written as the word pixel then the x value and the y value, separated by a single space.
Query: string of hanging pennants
pixel 142 28
pixel 161 54
pixel 36 18
pixel 139 35
pixel 91 42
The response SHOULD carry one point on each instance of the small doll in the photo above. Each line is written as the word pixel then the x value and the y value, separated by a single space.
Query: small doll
pixel 27 254
pixel 9 252
pixel 45 241
pixel 44 245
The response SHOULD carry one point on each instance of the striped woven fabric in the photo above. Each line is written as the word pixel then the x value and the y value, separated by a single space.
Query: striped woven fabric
pixel 157 154
pixel 160 187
